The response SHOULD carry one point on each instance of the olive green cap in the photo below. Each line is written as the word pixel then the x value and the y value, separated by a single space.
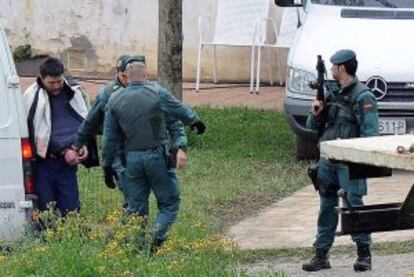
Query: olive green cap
pixel 123 60
pixel 342 56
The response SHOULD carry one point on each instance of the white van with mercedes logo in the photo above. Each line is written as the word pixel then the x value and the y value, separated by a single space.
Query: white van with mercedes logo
pixel 16 182
pixel 380 32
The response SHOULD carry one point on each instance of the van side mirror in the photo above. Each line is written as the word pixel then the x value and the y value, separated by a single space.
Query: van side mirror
pixel 288 3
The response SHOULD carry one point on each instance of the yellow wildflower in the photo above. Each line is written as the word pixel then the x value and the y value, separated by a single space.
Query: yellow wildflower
pixel 113 218
pixel 49 234
pixel 100 268
pixel 40 249
pixel 121 235
pixel 172 265
pixel 134 220
pixel 96 234
pixel 127 273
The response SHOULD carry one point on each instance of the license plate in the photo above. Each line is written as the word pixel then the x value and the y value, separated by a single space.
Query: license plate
pixel 392 126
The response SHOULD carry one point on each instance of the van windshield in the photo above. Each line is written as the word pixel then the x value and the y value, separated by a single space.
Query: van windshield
pixel 368 3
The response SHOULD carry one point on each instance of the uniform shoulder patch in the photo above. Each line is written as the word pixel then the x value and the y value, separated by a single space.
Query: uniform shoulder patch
pixel 366 100
pixel 368 106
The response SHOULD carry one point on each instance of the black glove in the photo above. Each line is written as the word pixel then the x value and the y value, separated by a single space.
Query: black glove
pixel 109 175
pixel 200 126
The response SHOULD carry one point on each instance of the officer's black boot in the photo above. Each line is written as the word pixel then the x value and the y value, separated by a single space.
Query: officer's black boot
pixel 318 262
pixel 363 261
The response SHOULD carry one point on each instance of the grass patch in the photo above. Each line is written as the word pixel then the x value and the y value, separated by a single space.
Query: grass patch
pixel 244 162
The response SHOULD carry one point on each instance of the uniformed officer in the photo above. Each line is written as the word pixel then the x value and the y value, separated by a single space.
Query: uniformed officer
pixel 138 115
pixel 348 112
pixel 95 118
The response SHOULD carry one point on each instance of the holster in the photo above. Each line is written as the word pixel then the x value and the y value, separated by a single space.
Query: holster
pixel 327 189
pixel 172 158
pixel 122 157
pixel 313 175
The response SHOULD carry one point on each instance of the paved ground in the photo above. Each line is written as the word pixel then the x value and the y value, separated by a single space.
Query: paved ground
pixel 383 266
pixel 291 222
pixel 220 95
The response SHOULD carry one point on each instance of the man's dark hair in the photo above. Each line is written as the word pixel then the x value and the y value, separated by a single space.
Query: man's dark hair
pixel 52 67
pixel 351 66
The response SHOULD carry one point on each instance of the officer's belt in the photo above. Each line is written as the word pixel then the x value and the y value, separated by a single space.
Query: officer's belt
pixel 341 120
pixel 134 146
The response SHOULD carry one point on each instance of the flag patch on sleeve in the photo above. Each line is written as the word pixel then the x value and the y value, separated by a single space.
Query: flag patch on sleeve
pixel 368 106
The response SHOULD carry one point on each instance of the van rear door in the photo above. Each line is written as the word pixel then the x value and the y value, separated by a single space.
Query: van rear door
pixel 12 130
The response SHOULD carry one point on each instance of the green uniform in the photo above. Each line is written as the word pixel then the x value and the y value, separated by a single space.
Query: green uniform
pixel 139 115
pixel 351 112
pixel 93 123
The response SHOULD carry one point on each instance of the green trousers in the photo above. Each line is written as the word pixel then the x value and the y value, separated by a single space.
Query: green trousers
pixel 337 175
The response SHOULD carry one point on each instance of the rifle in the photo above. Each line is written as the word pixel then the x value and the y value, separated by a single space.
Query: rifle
pixel 320 80
pixel 319 85
pixel 320 96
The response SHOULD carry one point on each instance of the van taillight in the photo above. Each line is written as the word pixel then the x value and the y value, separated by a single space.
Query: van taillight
pixel 26 149
pixel 27 155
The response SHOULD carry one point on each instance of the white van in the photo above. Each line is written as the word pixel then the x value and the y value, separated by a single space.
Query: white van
pixel 16 183
pixel 380 32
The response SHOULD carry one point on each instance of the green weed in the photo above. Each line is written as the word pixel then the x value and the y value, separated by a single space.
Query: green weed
pixel 243 163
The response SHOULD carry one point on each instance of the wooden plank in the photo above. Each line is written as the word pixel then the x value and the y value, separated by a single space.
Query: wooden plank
pixel 379 151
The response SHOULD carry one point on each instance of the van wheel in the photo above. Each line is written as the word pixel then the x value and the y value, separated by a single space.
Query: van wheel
pixel 305 148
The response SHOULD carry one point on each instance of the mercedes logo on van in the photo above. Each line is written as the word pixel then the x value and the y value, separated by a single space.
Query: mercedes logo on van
pixel 378 86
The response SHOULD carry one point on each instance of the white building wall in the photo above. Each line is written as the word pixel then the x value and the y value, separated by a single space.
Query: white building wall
pixel 89 35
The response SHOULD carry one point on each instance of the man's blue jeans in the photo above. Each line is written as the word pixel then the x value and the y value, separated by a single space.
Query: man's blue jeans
pixel 55 181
